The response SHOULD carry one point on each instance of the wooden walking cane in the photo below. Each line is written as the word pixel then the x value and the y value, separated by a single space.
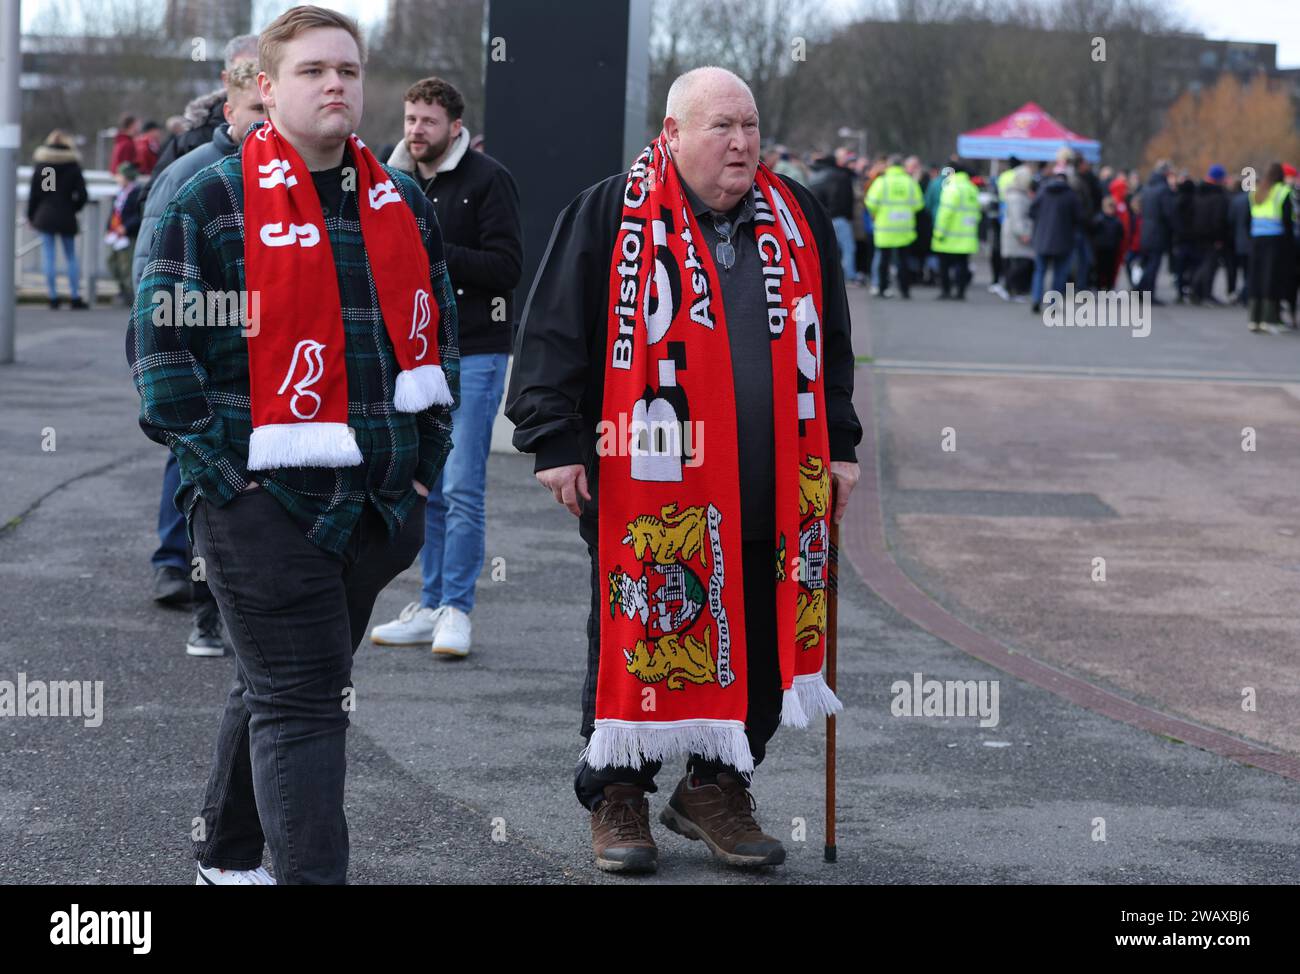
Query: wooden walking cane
pixel 832 612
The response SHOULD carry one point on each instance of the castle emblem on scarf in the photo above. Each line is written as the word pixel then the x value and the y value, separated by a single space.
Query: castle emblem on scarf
pixel 667 598
pixel 814 550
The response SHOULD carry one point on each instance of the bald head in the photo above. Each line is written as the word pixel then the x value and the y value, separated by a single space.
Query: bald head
pixel 711 124
pixel 702 86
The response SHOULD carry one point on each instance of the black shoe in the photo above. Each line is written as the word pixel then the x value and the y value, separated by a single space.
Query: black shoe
pixel 171 586
pixel 1036 308
pixel 907 295
pixel 76 304
pixel 54 304
pixel 206 638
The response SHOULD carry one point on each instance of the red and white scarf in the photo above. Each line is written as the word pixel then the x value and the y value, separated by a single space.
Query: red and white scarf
pixel 673 672
pixel 297 374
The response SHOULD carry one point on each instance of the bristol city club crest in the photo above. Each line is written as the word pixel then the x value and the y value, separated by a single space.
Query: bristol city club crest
pixel 681 622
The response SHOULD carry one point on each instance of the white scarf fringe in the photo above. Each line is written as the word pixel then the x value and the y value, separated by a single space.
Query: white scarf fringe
pixel 420 388
pixel 809 697
pixel 629 744
pixel 302 445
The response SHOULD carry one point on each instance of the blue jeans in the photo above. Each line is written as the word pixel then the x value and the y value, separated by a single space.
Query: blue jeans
pixel 49 254
pixel 1060 273
pixel 1082 257
pixel 848 246
pixel 455 513
pixel 173 542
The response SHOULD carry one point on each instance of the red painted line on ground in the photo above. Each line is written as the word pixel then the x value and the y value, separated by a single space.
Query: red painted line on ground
pixel 863 540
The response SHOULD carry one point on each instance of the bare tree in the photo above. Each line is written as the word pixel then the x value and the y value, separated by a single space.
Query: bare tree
pixel 763 41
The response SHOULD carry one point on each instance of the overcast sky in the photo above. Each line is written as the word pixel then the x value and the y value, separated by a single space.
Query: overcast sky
pixel 1275 21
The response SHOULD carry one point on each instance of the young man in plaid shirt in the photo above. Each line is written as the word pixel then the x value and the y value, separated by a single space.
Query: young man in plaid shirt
pixel 295 552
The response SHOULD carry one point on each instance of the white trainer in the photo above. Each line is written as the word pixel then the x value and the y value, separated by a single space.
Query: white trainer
pixel 413 627
pixel 452 636
pixel 212 876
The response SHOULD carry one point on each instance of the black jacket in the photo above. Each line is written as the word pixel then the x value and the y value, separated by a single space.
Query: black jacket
pixel 1210 214
pixel 1157 214
pixel 833 187
pixel 1239 222
pixel 200 134
pixel 1057 213
pixel 54 209
pixel 1107 233
pixel 132 212
pixel 557 383
pixel 478 212
pixel 1185 212
pixel 189 140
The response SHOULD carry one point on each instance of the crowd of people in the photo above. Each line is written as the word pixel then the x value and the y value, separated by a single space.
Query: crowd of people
pixel 1063 222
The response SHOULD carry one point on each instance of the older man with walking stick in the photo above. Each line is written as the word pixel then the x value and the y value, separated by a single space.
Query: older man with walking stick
pixel 684 374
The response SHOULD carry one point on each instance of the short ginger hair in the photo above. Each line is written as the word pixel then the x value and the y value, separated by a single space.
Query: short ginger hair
pixel 291 23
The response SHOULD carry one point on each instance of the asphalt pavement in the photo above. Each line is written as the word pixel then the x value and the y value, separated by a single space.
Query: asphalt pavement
pixel 461 771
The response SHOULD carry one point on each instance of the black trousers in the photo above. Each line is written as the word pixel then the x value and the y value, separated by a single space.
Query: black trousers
pixel 954 273
pixel 763 672
pixel 1150 271
pixel 898 255
pixel 295 614
pixel 1236 265
pixel 1206 269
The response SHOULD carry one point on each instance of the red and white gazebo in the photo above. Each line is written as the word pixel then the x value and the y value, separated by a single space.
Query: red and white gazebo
pixel 1027 133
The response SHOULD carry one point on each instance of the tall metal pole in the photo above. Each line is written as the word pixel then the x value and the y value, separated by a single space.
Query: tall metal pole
pixel 11 113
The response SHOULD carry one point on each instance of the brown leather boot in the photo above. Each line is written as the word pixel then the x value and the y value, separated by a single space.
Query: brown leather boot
pixel 620 832
pixel 722 815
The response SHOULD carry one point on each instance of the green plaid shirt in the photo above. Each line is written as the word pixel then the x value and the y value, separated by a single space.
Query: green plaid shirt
pixel 193 378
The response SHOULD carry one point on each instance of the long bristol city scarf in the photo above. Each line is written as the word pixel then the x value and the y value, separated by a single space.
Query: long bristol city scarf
pixel 672 675
pixel 297 374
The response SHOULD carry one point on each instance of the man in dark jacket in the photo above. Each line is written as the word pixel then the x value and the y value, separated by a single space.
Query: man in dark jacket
pixel 831 182
pixel 1157 227
pixel 556 401
pixel 205 114
pixel 1239 238
pixel 1058 217
pixel 478 212
pixel 1209 233
pixel 1182 258
pixel 122 229
pixel 172 558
